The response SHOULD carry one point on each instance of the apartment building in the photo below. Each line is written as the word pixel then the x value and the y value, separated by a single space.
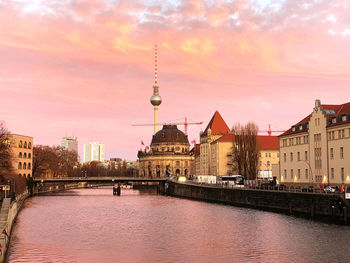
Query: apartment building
pixel 316 150
pixel 22 154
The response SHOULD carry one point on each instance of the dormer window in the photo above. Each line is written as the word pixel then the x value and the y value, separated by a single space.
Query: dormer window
pixel 293 129
pixel 343 118
pixel 300 128
pixel 334 120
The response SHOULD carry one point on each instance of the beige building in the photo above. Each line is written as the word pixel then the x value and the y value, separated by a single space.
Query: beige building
pixel 22 154
pixel 215 129
pixel 316 150
pixel 222 155
pixel 168 155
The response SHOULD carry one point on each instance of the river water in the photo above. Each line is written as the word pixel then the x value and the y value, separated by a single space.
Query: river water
pixel 92 225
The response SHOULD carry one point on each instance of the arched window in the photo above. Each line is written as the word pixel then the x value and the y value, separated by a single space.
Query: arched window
pixel 20 144
pixel 19 165
pixel 29 145
pixel 20 174
pixel 28 175
pixel 29 165
pixel 29 155
pixel 24 166
pixel 25 144
pixel 24 155
pixel 20 155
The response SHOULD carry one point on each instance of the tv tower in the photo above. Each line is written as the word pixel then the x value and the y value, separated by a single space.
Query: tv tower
pixel 156 100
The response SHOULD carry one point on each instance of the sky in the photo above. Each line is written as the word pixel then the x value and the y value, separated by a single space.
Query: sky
pixel 86 68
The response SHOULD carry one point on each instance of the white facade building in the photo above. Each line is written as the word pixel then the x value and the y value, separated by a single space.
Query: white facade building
pixel 70 143
pixel 94 151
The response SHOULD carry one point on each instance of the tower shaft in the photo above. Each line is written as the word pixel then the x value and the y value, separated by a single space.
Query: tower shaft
pixel 155 119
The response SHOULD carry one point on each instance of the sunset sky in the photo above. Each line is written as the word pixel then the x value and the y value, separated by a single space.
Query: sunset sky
pixel 87 67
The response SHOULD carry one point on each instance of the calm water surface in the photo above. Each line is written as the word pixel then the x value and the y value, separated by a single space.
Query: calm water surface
pixel 92 225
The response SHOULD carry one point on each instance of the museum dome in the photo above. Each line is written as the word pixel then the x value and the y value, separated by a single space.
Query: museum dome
pixel 169 134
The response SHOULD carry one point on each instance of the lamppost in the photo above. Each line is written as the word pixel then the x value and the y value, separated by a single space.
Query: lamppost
pixel 308 164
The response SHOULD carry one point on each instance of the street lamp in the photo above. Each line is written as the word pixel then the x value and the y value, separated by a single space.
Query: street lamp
pixel 308 164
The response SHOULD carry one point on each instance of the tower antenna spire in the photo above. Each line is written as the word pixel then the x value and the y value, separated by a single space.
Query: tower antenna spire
pixel 156 100
pixel 155 65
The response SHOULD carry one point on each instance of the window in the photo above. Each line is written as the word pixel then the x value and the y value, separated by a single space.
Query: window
pixel 19 165
pixel 268 163
pixel 343 133
pixel 20 155
pixel 332 173
pixel 298 173
pixel 306 156
pixel 20 144
pixel 285 157
pixel 29 145
pixel 266 155
pixel 306 173
pixel 298 156
pixel 291 173
pixel 177 162
pixel 341 152
pixel 342 174
pixel 260 163
pixel 343 118
pixel 24 155
pixel 291 157
pixel 285 173
pixel 332 154
pixel 29 166
pixel 333 136
pixel 29 155
pixel 24 166
pixel 25 145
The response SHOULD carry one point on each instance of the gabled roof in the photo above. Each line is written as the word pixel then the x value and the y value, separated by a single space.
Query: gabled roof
pixel 265 142
pixel 217 125
pixel 331 112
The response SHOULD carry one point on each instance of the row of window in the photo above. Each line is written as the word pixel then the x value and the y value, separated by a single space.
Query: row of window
pixel 24 144
pixel 306 173
pixel 295 141
pixel 298 156
pixel 341 153
pixel 342 173
pixel 24 155
pixel 24 166
pixel 267 163
pixel 340 134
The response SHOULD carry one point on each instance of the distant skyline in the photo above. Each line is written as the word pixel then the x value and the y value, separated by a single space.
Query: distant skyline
pixel 86 68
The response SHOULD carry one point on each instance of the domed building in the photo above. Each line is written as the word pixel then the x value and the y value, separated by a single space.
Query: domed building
pixel 168 155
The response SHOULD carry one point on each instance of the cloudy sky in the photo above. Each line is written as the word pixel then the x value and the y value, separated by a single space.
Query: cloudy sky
pixel 87 67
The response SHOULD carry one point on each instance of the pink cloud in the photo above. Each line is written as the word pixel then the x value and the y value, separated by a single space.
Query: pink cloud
pixel 87 67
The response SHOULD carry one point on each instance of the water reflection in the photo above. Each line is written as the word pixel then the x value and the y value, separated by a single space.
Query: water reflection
pixel 92 225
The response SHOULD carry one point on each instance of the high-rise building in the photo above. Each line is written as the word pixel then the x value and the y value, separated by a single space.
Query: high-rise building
pixel 70 143
pixel 94 151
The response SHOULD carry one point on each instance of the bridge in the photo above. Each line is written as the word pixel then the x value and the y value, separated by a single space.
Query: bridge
pixel 99 179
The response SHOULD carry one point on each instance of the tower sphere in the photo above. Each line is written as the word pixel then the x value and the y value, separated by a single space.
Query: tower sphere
pixel 156 100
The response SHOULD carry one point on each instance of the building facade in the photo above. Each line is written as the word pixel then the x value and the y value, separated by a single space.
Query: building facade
pixel 22 154
pixel 169 154
pixel 94 151
pixel 316 150
pixel 216 128
pixel 70 143
pixel 222 155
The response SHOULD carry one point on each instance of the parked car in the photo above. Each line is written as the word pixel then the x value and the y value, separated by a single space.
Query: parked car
pixel 329 189
pixel 309 188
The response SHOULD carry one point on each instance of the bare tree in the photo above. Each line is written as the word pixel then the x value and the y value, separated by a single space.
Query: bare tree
pixel 245 150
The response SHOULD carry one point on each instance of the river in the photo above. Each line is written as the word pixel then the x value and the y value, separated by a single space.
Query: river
pixel 92 225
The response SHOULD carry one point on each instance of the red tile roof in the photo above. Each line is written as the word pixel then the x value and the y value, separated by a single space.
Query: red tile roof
pixel 217 125
pixel 265 142
pixel 338 110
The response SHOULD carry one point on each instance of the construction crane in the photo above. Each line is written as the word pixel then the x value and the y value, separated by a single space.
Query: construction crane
pixel 174 123
pixel 269 131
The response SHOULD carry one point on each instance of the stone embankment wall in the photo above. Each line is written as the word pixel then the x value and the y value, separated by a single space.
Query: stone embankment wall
pixel 326 207
pixel 8 215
